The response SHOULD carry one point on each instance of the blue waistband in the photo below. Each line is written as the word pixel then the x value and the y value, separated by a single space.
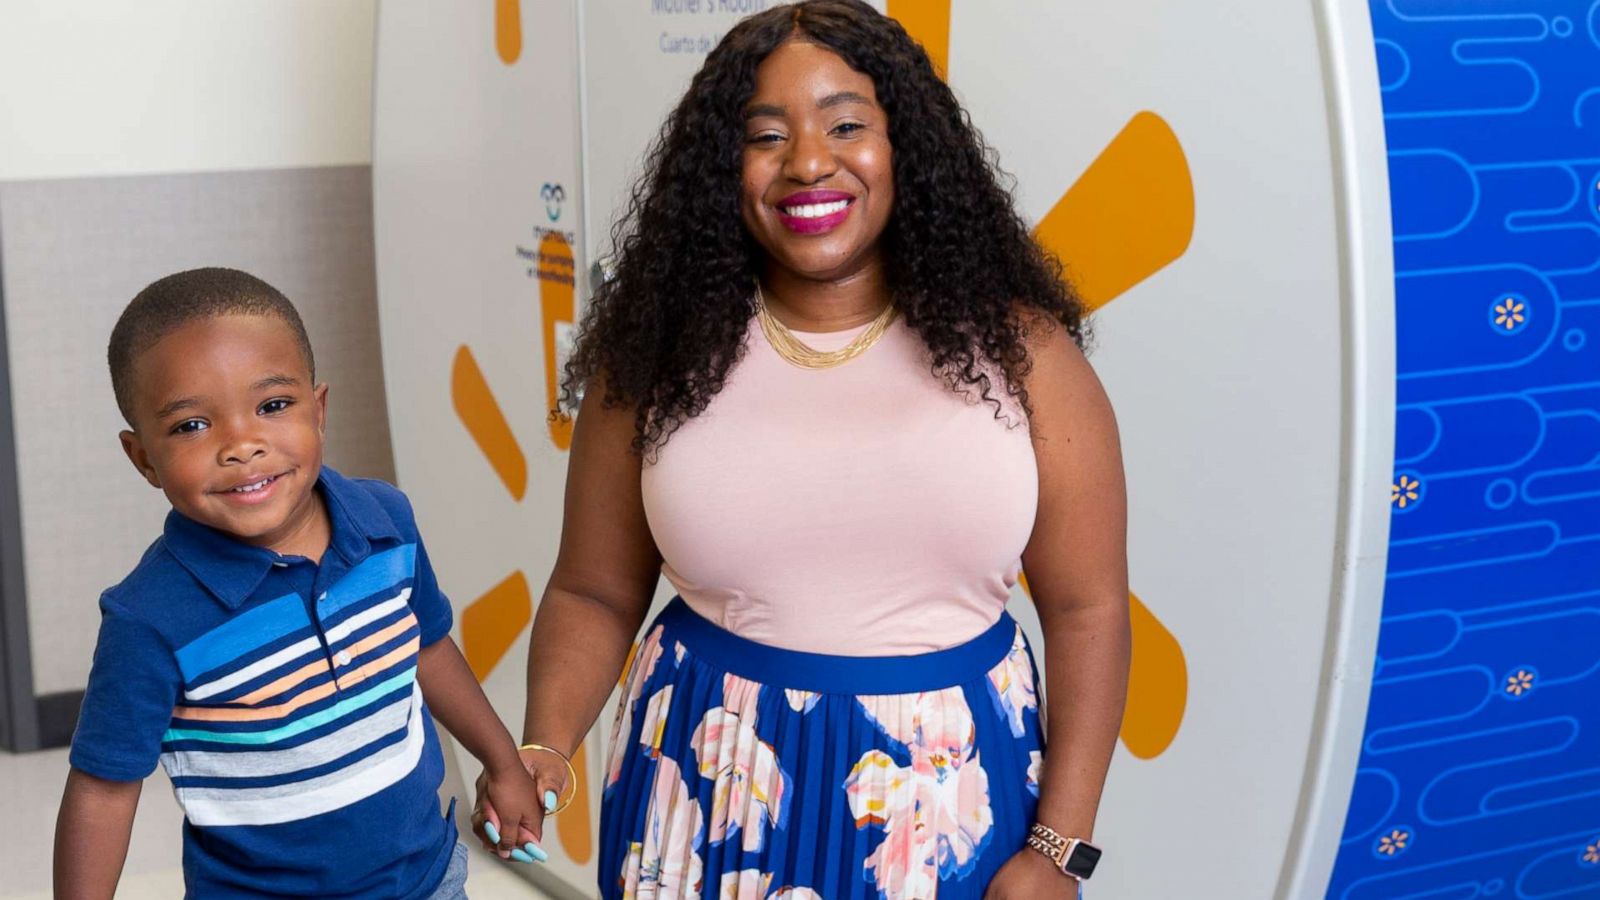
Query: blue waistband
pixel 828 674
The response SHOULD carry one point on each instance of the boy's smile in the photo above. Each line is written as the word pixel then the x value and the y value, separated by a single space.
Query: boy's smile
pixel 229 425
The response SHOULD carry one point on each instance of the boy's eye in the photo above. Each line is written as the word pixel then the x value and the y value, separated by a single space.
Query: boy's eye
pixel 190 426
pixel 276 406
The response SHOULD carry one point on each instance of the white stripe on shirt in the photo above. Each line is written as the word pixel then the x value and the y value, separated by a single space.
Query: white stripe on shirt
pixel 296 650
pixel 266 763
pixel 211 807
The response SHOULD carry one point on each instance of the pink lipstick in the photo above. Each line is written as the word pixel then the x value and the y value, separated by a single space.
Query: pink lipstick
pixel 814 212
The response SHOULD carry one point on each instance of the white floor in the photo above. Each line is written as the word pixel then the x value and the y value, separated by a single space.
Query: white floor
pixel 30 792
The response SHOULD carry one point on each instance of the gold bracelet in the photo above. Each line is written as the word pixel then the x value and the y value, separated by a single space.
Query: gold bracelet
pixel 572 777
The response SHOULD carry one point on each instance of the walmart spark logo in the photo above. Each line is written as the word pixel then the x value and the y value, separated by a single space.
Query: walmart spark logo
pixel 492 623
pixel 1127 217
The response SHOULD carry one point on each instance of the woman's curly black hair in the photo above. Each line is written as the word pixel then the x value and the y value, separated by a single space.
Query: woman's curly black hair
pixel 662 333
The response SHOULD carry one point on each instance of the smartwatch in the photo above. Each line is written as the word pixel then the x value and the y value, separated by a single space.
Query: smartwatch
pixel 1075 857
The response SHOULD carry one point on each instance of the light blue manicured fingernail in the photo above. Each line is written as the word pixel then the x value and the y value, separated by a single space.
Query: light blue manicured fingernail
pixel 492 832
pixel 536 851
pixel 521 857
pixel 549 801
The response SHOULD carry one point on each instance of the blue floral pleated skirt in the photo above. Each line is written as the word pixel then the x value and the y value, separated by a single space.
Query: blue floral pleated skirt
pixel 746 772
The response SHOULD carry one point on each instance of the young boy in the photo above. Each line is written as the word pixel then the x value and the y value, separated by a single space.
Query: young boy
pixel 279 647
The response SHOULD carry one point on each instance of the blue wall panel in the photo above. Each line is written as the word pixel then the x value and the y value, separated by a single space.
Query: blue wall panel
pixel 1480 766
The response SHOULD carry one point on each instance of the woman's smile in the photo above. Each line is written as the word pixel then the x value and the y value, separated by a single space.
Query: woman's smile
pixel 818 169
pixel 814 212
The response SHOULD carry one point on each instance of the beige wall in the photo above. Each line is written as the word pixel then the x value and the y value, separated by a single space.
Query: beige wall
pixel 105 87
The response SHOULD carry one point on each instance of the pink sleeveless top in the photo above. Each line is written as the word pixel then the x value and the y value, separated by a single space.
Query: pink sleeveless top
pixel 862 510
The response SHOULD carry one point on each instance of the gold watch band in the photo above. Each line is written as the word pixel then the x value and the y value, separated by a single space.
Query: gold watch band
pixel 1054 846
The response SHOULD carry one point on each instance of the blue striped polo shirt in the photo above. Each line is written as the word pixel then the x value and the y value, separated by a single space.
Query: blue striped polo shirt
pixel 281 697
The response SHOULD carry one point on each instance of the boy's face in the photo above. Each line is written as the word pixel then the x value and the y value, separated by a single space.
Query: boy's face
pixel 228 424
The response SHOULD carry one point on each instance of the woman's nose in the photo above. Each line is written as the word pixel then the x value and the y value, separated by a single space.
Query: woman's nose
pixel 810 159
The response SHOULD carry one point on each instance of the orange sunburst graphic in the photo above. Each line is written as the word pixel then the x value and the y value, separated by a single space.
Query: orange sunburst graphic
pixel 491 624
pixel 1127 217
pixel 928 22
pixel 556 275
pixel 508 30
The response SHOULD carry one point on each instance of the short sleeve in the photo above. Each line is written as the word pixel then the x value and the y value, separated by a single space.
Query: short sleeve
pixel 428 602
pixel 127 707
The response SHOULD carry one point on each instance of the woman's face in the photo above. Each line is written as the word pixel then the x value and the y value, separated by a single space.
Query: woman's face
pixel 818 174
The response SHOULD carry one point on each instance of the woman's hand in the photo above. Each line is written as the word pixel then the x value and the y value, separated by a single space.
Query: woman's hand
pixel 1030 876
pixel 508 815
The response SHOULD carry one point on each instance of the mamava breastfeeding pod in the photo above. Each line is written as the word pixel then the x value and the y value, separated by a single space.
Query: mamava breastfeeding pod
pixel 1218 183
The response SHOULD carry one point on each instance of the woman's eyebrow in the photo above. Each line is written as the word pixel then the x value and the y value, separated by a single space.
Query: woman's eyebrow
pixel 764 110
pixel 838 98
pixel 842 97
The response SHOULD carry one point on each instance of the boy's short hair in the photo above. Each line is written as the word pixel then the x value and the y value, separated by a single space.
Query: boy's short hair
pixel 175 301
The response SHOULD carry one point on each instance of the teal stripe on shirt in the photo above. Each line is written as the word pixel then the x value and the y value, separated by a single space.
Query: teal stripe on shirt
pixel 298 726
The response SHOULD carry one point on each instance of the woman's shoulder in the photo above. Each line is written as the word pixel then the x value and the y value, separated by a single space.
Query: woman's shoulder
pixel 1053 351
pixel 1059 380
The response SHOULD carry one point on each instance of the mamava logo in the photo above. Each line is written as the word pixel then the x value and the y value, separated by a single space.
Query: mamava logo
pixel 1128 216
pixel 553 196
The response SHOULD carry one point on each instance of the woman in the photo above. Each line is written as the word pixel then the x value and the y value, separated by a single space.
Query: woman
pixel 835 395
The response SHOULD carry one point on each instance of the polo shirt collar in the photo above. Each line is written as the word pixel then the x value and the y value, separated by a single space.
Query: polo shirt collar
pixel 358 519
pixel 232 570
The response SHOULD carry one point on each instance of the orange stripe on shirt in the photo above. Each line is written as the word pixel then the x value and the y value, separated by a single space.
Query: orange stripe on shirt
pixel 320 666
pixel 356 676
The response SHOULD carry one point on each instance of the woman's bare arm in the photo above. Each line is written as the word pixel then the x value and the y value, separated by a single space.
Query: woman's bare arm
pixel 1077 568
pixel 600 590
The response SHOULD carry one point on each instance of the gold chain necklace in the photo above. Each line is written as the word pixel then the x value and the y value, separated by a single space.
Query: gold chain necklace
pixel 797 353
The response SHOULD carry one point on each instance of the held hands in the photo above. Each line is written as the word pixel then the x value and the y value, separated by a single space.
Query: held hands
pixel 1029 876
pixel 511 805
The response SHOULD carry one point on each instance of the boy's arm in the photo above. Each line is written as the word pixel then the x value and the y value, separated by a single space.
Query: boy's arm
pixel 458 702
pixel 92 832
pixel 133 686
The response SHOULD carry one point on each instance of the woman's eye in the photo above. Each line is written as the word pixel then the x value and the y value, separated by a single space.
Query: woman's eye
pixel 276 406
pixel 767 137
pixel 190 426
pixel 848 127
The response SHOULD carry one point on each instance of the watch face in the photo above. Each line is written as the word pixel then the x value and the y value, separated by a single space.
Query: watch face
pixel 1081 861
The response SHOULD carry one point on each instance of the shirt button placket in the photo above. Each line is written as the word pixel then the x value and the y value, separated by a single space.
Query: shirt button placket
pixel 341 658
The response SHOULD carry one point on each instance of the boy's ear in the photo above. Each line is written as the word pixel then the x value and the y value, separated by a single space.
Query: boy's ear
pixel 320 395
pixel 134 447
